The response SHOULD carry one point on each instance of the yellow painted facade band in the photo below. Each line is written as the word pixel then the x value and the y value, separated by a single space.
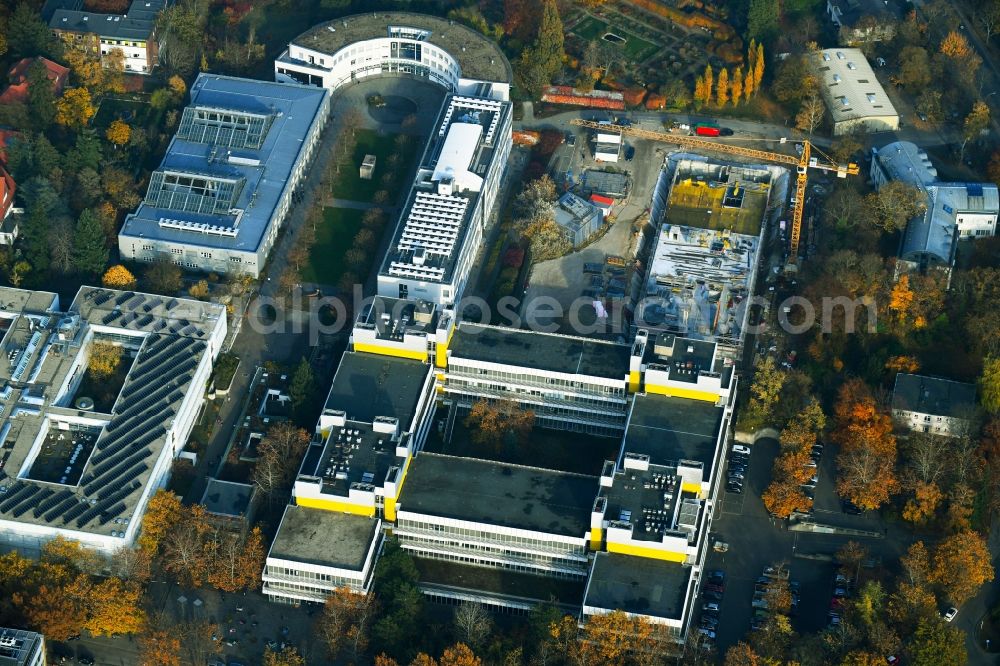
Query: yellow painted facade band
pixel 688 487
pixel 441 352
pixel 334 505
pixel 596 537
pixel 648 553
pixel 633 381
pixel 390 502
pixel 677 392
pixel 382 350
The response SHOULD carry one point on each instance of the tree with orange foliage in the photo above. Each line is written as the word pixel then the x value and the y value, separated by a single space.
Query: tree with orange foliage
pixel 287 656
pixel 345 621
pixel 159 648
pixel 868 448
pixel 58 611
pixel 115 608
pixel 901 298
pixel 742 654
pixel 610 638
pixel 459 655
pixel 499 425
pixel 420 660
pixel 961 564
pixel 385 660
pixel 183 551
pixel 921 507
pixel 235 561
pixel 782 498
pixel 955 45
pixel 902 364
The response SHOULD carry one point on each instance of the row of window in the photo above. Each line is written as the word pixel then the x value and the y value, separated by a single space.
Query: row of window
pixel 452 557
pixel 465 534
pixel 306 576
pixel 535 379
pixel 529 559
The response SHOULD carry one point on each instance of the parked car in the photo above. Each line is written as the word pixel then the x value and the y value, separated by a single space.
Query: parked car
pixel 715 596
pixel 735 490
pixel 629 153
pixel 950 614
pixel 708 633
pixel 713 587
pixel 850 508
pixel 711 606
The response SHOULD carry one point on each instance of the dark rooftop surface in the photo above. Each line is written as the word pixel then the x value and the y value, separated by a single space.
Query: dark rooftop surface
pixel 637 585
pixel 370 385
pixel 525 498
pixel 326 538
pixel 649 501
pixel 685 358
pixel 227 498
pixel 933 395
pixel 544 351
pixel 353 453
pixel 478 57
pixel 442 573
pixel 672 429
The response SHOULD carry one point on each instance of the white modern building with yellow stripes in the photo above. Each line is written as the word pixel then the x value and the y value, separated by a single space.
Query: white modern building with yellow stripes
pixel 640 524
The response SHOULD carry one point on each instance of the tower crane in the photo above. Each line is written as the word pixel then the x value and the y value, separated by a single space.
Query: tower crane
pixel 802 163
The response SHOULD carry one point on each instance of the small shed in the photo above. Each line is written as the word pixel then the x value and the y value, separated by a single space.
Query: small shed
pixel 367 167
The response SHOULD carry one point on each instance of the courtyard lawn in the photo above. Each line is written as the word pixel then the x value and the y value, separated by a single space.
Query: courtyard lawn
pixel 136 112
pixel 334 237
pixel 349 184
pixel 635 48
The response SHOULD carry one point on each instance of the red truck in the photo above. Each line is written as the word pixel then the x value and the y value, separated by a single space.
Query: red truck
pixel 707 130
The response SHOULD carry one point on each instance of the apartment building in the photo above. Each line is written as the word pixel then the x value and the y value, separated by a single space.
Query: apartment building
pixel 934 405
pixel 132 33
pixel 229 177
pixel 440 229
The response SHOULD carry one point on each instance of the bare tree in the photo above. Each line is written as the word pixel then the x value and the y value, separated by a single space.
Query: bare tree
pixel 473 623
pixel 988 16
pixel 811 113
pixel 926 455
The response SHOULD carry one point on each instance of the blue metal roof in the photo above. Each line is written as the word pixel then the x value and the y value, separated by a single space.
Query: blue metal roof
pixel 266 171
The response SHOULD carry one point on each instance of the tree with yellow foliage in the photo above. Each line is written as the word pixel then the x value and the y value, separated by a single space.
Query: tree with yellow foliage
pixel 902 364
pixel 288 656
pixel 118 132
pixel 75 108
pixel 748 88
pixel 118 277
pixel 758 68
pixel 163 511
pixel 699 90
pixel 961 564
pixel 736 86
pixel 709 79
pixel 177 86
pixel 105 357
pixel 722 89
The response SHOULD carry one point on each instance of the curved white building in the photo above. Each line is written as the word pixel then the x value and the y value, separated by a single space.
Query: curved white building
pixel 352 48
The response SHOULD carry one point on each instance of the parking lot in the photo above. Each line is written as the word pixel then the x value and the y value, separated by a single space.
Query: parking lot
pixel 757 541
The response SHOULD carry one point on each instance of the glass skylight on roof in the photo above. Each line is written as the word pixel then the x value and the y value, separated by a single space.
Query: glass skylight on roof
pixel 224 127
pixel 193 193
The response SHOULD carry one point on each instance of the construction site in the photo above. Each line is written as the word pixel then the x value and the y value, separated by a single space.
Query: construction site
pixel 708 220
pixel 719 197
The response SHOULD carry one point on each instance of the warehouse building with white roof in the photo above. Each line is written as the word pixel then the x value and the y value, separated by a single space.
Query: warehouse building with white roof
pixel 856 100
